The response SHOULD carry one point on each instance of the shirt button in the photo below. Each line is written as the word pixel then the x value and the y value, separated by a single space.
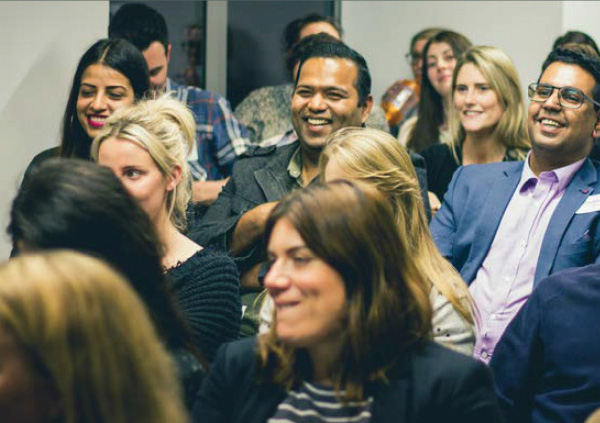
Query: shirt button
pixel 493 317
pixel 484 354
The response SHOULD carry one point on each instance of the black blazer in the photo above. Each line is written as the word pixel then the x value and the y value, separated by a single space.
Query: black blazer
pixel 431 385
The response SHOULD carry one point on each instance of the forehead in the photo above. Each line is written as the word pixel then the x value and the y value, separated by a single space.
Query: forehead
pixel 284 236
pixel 419 45
pixel 122 150
pixel 102 74
pixel 562 74
pixel 155 54
pixel 329 71
pixel 439 48
pixel 470 73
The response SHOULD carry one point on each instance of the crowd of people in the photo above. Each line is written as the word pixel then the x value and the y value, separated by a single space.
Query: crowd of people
pixel 312 256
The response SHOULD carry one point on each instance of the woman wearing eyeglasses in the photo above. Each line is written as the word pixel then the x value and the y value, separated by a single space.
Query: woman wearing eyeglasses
pixel 488 121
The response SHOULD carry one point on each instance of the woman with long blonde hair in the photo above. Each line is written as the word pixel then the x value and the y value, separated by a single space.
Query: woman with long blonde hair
pixel 376 158
pixel 488 120
pixel 77 346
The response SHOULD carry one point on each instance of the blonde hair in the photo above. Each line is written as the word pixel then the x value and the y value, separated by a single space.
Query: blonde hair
pixel 166 129
pixel 500 72
pixel 377 158
pixel 89 335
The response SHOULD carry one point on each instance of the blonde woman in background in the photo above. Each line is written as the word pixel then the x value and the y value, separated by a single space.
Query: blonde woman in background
pixel 146 146
pixel 488 120
pixel 375 157
pixel 77 346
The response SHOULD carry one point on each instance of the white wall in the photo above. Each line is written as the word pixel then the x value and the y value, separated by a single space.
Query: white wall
pixel 582 16
pixel 381 30
pixel 41 43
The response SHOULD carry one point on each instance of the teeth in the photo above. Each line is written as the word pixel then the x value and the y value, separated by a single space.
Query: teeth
pixel 98 119
pixel 317 121
pixel 549 122
pixel 471 113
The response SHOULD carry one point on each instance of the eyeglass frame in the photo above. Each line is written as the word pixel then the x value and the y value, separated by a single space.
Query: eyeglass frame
pixel 532 88
pixel 410 58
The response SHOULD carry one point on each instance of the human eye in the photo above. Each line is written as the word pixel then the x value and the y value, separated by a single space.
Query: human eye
pixel 301 259
pixel 484 88
pixel 86 92
pixel 461 89
pixel 449 57
pixel 572 95
pixel 116 95
pixel 132 173
pixel 431 61
pixel 303 92
pixel 543 91
pixel 335 95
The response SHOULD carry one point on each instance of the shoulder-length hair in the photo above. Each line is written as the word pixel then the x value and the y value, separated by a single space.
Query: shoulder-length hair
pixel 388 310
pixel 431 110
pixel 117 54
pixel 166 129
pixel 79 205
pixel 376 158
pixel 87 334
pixel 501 74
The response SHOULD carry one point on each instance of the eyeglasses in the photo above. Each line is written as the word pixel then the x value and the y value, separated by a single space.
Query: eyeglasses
pixel 413 58
pixel 568 97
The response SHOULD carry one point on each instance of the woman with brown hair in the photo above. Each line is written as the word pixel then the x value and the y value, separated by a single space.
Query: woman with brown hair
pixel 77 346
pixel 350 336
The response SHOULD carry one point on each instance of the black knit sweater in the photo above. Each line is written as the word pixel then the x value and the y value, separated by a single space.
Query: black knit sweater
pixel 206 287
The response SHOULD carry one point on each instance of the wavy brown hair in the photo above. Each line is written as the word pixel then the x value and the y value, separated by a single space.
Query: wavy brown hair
pixel 351 227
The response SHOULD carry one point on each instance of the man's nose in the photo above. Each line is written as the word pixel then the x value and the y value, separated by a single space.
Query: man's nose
pixel 553 102
pixel 317 102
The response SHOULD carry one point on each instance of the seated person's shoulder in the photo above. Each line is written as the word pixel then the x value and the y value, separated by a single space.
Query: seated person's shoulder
pixel 436 358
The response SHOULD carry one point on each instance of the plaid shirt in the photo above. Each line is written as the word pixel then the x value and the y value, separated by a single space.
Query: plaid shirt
pixel 220 137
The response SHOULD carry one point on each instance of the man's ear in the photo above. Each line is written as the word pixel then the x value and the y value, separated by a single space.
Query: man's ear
pixel 168 52
pixel 366 108
pixel 175 178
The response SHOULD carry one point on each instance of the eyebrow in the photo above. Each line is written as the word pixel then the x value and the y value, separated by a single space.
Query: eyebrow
pixel 110 87
pixel 291 250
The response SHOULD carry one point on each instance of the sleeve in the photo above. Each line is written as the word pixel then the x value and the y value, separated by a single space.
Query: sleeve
pixel 230 136
pixel 443 226
pixel 210 301
pixel 449 328
pixel 517 360
pixel 247 113
pixel 473 399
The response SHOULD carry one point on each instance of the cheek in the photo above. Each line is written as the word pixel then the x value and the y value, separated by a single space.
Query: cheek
pixel 116 105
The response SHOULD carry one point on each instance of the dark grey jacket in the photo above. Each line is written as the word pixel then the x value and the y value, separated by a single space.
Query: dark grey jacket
pixel 260 178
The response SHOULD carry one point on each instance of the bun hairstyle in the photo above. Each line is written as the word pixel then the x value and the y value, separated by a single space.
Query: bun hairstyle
pixel 166 129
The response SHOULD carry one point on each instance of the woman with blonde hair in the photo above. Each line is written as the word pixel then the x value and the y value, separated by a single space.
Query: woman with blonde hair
pixel 375 157
pixel 146 146
pixel 488 121
pixel 352 322
pixel 77 346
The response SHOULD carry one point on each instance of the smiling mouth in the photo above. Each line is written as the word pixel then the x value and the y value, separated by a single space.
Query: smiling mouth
pixel 550 123
pixel 96 121
pixel 313 121
pixel 471 113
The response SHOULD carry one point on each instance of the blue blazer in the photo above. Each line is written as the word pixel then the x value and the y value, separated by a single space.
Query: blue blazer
pixel 474 205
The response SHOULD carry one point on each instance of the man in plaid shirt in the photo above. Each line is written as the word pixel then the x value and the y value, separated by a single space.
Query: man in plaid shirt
pixel 221 138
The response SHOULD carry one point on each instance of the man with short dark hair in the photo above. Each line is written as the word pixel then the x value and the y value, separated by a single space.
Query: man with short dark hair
pixel 332 91
pixel 220 137
pixel 506 226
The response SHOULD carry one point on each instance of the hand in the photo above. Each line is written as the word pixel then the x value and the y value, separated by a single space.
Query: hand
pixel 206 192
pixel 434 202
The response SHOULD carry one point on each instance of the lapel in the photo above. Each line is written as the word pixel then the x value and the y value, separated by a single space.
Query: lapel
pixel 581 186
pixel 273 178
pixel 499 194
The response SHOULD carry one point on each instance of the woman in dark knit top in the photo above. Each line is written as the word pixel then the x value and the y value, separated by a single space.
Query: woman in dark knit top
pixel 147 146
pixel 488 121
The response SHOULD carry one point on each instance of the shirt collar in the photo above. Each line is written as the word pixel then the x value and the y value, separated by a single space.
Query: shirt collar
pixel 562 175
pixel 294 168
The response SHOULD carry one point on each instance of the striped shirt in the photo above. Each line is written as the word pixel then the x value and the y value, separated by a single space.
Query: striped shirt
pixel 311 403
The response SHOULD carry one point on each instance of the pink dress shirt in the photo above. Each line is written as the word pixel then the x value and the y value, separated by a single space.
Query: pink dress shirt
pixel 505 279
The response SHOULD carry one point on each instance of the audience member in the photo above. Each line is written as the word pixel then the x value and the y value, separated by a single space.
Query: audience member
pixel 350 337
pixel 266 111
pixel 435 100
pixel 505 226
pixel 79 205
pixel 77 345
pixel 488 120
pixel 220 138
pixel 377 158
pixel 546 365
pixel 110 75
pixel 401 100
pixel 146 146
pixel 575 37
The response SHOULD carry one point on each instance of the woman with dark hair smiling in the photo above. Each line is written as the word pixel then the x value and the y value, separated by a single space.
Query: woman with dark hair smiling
pixel 111 74
pixel 431 125
pixel 351 328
